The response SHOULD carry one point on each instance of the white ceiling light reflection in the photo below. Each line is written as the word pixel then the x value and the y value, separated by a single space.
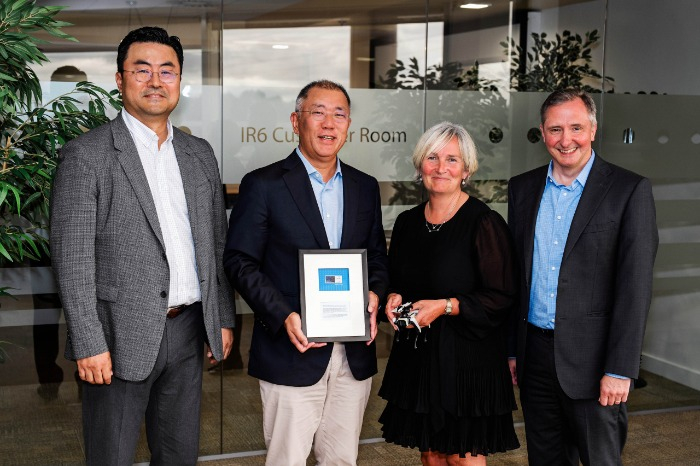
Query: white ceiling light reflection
pixel 250 62
pixel 475 6
pixel 186 91
pixel 280 47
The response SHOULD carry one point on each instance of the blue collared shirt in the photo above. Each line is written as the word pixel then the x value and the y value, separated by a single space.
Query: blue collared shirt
pixel 557 209
pixel 329 197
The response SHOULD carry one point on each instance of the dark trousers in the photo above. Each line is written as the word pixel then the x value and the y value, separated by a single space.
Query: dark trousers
pixel 169 398
pixel 560 430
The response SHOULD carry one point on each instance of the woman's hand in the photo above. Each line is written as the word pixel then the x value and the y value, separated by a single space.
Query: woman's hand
pixel 393 301
pixel 428 311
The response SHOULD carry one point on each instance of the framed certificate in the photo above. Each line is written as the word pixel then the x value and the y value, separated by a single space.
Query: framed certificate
pixel 334 294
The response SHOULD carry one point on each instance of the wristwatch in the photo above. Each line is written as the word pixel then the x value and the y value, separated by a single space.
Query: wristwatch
pixel 448 306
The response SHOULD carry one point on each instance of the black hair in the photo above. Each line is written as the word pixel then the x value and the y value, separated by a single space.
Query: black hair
pixel 148 34
pixel 562 96
pixel 321 84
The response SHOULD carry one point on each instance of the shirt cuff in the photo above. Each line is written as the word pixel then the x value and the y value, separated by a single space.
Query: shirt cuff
pixel 615 376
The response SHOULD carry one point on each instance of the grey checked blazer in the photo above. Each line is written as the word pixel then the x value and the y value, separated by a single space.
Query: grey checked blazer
pixel 108 252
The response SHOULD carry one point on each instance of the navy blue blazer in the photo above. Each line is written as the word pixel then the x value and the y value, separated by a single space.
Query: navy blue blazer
pixel 275 216
pixel 605 279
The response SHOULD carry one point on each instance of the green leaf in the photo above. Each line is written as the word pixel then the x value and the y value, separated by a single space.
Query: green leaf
pixel 7 77
pixel 33 132
pixel 30 241
pixel 4 252
pixel 31 198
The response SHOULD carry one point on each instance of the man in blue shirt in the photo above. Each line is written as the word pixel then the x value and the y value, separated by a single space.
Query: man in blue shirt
pixel 586 236
pixel 311 392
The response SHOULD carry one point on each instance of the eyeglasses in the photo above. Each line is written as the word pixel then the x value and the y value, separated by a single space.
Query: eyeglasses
pixel 145 75
pixel 320 115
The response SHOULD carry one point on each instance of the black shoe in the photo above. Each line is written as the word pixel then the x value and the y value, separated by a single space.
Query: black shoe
pixel 640 383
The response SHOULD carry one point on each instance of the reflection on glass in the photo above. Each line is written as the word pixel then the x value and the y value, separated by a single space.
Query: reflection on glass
pixel 277 57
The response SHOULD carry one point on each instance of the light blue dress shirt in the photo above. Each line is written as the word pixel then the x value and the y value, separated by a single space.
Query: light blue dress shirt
pixel 329 197
pixel 557 209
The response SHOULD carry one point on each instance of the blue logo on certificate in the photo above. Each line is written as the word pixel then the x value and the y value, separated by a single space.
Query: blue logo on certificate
pixel 333 280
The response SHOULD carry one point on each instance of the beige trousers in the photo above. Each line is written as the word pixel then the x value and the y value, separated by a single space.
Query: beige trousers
pixel 327 414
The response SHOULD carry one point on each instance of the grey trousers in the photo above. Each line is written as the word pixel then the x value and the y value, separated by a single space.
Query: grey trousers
pixel 561 431
pixel 169 398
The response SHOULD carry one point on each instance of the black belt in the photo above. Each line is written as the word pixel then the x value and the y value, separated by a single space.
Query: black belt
pixel 548 332
pixel 177 310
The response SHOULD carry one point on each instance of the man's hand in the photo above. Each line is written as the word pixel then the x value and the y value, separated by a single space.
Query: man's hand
pixel 96 369
pixel 513 370
pixel 613 391
pixel 293 326
pixel 392 302
pixel 372 308
pixel 226 343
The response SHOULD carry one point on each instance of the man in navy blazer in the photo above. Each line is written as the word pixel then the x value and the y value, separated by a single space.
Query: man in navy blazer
pixel 312 393
pixel 586 236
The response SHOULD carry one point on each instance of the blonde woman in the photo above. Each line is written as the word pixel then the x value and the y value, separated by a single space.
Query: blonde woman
pixel 447 383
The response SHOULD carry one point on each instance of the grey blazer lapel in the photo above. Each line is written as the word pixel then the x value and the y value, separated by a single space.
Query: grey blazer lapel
pixel 597 185
pixel 297 181
pixel 187 161
pixel 128 157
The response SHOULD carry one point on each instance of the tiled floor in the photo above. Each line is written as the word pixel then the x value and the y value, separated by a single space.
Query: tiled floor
pixel 34 431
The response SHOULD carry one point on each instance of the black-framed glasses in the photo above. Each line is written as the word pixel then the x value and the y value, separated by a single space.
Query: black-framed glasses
pixel 320 115
pixel 144 75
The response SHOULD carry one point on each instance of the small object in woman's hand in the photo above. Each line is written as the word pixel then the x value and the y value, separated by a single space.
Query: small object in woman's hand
pixel 405 316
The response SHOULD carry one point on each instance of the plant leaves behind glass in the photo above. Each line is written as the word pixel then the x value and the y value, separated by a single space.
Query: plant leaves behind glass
pixel 32 132
pixel 451 76
pixel 563 62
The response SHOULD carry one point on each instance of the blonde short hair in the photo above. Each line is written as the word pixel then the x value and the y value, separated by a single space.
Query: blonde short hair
pixel 437 137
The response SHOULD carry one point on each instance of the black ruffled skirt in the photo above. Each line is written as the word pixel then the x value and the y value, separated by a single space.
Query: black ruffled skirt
pixel 448 394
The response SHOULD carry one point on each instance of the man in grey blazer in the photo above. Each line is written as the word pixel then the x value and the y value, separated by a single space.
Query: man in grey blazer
pixel 586 236
pixel 138 227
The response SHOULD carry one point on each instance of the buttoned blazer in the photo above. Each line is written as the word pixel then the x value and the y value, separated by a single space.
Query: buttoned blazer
pixel 108 253
pixel 605 280
pixel 274 217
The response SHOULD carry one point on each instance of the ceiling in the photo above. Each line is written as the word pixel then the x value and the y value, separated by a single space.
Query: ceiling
pixel 298 11
pixel 99 24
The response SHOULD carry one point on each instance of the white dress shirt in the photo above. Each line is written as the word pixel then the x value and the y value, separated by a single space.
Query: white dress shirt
pixel 165 183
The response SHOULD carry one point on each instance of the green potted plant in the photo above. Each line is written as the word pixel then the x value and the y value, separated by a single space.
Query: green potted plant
pixel 32 131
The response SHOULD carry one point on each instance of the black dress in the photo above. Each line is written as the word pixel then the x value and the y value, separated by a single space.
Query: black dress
pixel 448 388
